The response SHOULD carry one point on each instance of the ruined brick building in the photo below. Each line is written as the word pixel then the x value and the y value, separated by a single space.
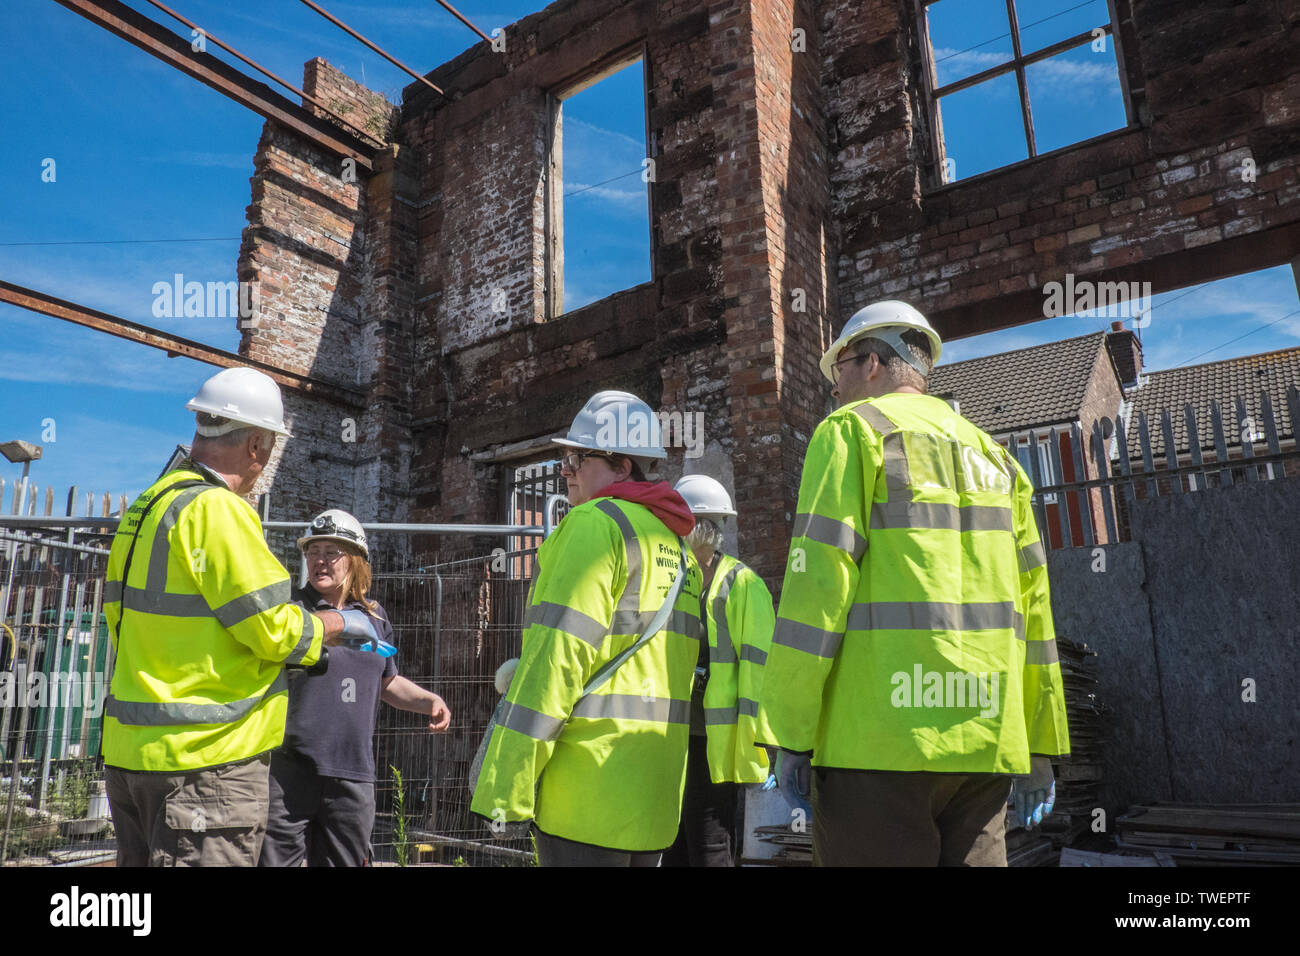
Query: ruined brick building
pixel 798 177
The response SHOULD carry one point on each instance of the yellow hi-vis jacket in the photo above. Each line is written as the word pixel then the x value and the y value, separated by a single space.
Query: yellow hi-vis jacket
pixel 206 629
pixel 609 771
pixel 915 627
pixel 739 617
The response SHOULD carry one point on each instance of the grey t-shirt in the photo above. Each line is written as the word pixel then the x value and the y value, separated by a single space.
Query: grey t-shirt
pixel 331 718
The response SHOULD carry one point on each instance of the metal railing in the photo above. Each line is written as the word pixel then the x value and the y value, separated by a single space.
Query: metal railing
pixel 456 615
pixel 1090 511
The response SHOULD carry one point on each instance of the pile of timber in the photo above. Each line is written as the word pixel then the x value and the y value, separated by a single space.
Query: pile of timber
pixel 1214 834
pixel 795 849
pixel 1078 776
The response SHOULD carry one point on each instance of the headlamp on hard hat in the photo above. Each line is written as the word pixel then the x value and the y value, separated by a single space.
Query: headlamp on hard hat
pixel 324 524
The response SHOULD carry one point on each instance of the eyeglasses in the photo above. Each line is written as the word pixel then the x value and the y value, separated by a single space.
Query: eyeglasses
pixel 330 555
pixel 835 366
pixel 574 462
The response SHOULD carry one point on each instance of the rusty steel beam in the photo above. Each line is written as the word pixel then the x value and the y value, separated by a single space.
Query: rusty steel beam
pixel 174 345
pixel 357 36
pixel 265 72
pixel 158 41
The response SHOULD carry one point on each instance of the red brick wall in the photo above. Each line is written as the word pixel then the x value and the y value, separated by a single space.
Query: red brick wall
pixel 777 172
pixel 1101 399
pixel 321 248
pixel 1162 202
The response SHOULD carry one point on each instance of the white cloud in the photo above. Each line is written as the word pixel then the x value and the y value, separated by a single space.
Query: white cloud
pixel 632 198
pixel 952 64
pixel 48 351
pixel 119 280
pixel 1077 76
pixel 242 161
pixel 607 137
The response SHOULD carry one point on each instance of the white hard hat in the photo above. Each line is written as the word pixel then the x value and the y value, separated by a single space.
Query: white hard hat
pixel 242 395
pixel 335 525
pixel 617 423
pixel 885 321
pixel 705 496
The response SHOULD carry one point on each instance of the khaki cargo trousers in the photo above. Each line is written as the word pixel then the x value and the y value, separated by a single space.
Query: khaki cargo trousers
pixel 210 817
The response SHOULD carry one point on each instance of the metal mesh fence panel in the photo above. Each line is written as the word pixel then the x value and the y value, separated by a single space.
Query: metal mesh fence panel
pixel 456 602
pixel 55 661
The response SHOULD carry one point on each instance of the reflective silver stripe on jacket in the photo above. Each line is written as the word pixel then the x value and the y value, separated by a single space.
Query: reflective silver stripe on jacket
pixel 660 710
pixel 721 649
pixel 930 515
pixel 628 617
pixel 934 616
pixel 752 654
pixel 253 603
pixel 716 716
pixel 1041 652
pixel 166 603
pixel 634 622
pixel 566 619
pixel 154 598
pixel 304 640
pixel 156 714
pixel 898 479
pixel 804 637
pixel 1032 556
pixel 531 723
pixel 900 511
pixel 875 418
pixel 160 551
pixel 828 531
pixel 630 599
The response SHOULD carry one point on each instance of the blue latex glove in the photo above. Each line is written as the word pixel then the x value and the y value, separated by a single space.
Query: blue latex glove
pixel 769 784
pixel 359 632
pixel 1035 793
pixel 793 778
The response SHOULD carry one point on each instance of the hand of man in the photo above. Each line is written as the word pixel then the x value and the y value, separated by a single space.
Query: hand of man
pixel 359 631
pixel 441 715
pixel 1034 793
pixel 793 778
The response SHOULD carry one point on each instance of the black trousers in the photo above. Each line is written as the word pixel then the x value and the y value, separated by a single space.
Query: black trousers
pixel 325 820
pixel 706 835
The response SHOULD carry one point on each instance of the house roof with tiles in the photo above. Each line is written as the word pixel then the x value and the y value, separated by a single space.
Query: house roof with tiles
pixel 1248 378
pixel 1027 388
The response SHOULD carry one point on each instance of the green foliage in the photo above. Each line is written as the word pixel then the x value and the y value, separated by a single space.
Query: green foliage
pixel 72 801
pixel 401 843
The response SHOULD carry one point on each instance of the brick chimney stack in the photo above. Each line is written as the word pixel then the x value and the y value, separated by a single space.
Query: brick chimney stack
pixel 1126 352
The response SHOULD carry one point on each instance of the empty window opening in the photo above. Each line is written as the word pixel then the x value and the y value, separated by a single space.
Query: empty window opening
pixel 599 231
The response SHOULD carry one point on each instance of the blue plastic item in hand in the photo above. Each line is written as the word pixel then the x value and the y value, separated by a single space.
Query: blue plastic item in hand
pixel 359 632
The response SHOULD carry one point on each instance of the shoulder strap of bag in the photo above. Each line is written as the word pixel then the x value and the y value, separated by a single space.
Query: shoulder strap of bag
pixel 130 553
pixel 654 627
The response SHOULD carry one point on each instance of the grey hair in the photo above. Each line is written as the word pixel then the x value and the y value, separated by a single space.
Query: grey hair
pixel 226 433
pixel 705 534
pixel 900 371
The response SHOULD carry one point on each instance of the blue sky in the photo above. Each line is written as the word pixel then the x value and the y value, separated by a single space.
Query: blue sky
pixel 143 152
